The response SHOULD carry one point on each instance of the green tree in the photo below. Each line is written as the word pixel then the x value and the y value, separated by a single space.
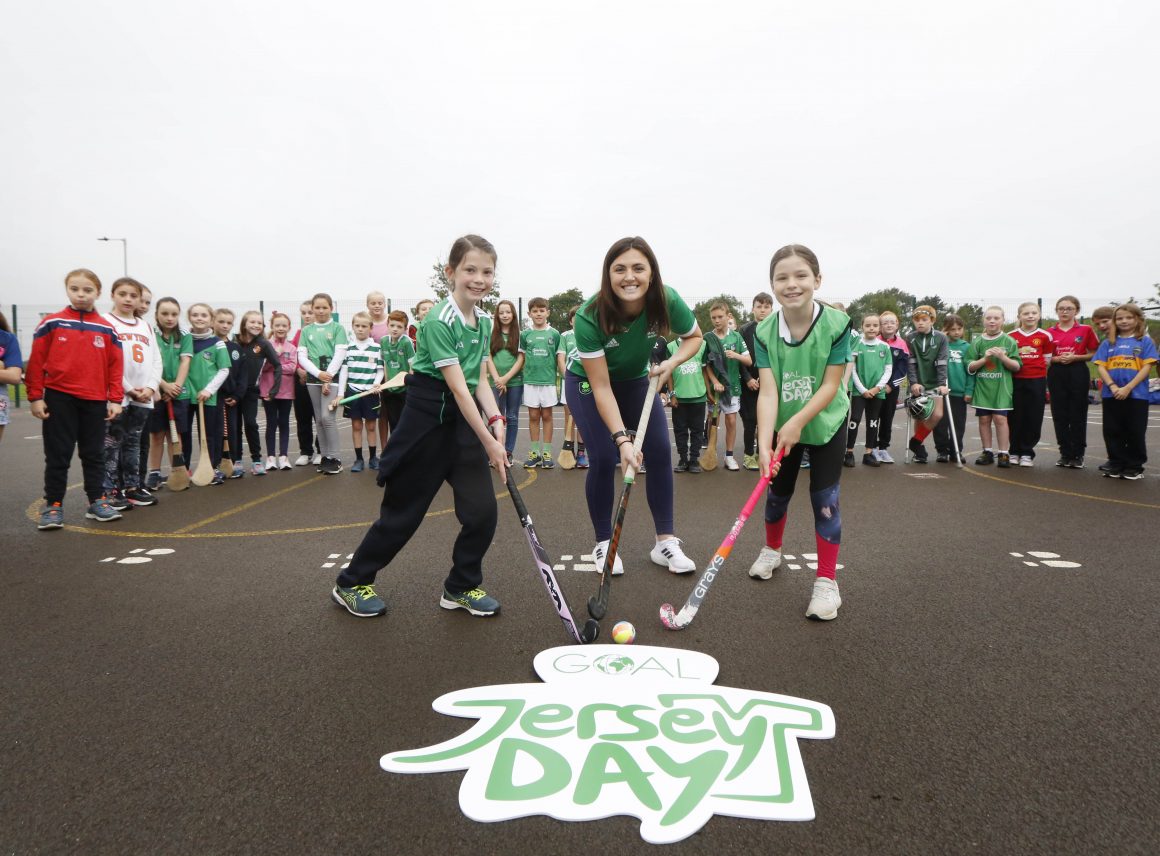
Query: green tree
pixel 899 302
pixel 560 304
pixel 972 315
pixel 442 287
pixel 701 311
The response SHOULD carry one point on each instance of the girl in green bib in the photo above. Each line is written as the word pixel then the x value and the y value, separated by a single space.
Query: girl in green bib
pixel 321 352
pixel 802 351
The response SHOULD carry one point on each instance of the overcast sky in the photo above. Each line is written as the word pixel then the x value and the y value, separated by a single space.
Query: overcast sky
pixel 267 150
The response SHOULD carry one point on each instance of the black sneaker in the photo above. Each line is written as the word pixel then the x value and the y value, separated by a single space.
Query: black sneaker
pixel 1113 472
pixel 140 496
pixel 942 458
pixel 868 460
pixel 331 466
pixel 917 449
pixel 985 459
pixel 117 501
pixel 1004 460
pixel 682 466
pixel 848 459
pixel 1132 475
pixel 1076 464
pixel 1063 462
pixel 1107 466
pixel 695 467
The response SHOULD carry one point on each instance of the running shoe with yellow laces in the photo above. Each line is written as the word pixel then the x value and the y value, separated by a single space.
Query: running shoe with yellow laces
pixel 359 601
pixel 476 601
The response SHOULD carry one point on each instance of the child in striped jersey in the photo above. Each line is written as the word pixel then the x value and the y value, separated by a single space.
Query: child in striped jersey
pixel 362 370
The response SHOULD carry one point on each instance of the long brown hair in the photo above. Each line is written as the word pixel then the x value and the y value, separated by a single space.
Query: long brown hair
pixel 610 313
pixel 513 340
pixel 1132 309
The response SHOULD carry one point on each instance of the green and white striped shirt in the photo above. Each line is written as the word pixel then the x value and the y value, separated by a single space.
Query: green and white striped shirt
pixel 363 367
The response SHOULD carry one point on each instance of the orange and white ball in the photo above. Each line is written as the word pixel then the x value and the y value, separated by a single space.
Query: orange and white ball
pixel 623 633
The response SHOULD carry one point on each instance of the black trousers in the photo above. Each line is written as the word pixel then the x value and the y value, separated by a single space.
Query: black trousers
pixel 886 425
pixel 73 424
pixel 1125 425
pixel 304 417
pixel 872 407
pixel 748 419
pixel 244 414
pixel 956 408
pixel 1030 400
pixel 1068 385
pixel 689 430
pixel 432 444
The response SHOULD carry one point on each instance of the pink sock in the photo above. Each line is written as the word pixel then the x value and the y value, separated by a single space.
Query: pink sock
pixel 774 532
pixel 827 557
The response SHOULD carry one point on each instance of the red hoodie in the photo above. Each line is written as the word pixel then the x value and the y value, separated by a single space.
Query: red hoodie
pixel 78 353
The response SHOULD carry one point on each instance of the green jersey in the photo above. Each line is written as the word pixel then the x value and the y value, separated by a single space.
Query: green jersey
pixel 207 361
pixel 320 342
pixel 539 347
pixel 449 338
pixel 994 382
pixel 505 359
pixel 568 347
pixel 731 340
pixel 626 350
pixel 396 358
pixel 798 368
pixel 873 365
pixel 172 350
pixel 961 381
pixel 688 379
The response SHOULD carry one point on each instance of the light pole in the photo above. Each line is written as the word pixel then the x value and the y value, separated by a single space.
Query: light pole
pixel 124 250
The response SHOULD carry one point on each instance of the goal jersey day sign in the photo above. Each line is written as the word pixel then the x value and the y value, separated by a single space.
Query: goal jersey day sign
pixel 638 731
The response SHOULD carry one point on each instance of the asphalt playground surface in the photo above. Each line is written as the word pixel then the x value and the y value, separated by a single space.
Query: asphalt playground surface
pixel 209 698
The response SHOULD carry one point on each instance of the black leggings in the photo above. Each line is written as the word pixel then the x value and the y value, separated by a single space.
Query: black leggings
pixel 1030 397
pixel 1069 385
pixel 278 423
pixel 873 409
pixel 886 425
pixel 432 444
pixel 748 419
pixel 304 417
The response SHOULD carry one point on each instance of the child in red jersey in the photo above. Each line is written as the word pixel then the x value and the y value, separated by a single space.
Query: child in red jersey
pixel 74 387
pixel 1068 381
pixel 1035 349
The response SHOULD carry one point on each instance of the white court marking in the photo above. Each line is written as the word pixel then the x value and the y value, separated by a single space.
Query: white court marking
pixel 139 556
pixel 1050 560
pixel 343 566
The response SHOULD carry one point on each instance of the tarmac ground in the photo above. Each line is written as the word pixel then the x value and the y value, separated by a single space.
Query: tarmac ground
pixel 179 681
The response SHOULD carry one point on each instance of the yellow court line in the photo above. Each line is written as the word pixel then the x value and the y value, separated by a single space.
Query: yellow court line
pixel 1061 492
pixel 246 505
pixel 33 514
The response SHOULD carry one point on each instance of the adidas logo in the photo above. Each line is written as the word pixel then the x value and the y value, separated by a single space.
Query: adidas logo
pixel 612 343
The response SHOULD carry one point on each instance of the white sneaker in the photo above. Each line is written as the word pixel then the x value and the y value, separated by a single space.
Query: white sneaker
pixel 317 459
pixel 271 463
pixel 768 560
pixel 302 460
pixel 669 554
pixel 284 463
pixel 1026 461
pixel 598 554
pixel 884 456
pixel 825 600
pixel 731 463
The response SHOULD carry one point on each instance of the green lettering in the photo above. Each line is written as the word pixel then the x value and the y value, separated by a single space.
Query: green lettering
pixel 627 714
pixel 595 775
pixel 586 721
pixel 701 772
pixel 512 708
pixel 752 739
pixel 532 722
pixel 684 718
pixel 554 777
pixel 656 666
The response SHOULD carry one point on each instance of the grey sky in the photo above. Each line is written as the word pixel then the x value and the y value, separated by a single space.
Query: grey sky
pixel 272 149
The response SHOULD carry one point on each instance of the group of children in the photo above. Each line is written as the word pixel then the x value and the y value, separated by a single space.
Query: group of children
pixel 118 389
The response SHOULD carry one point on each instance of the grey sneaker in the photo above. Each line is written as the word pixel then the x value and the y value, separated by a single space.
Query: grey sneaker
pixel 884 456
pixel 476 601
pixel 52 517
pixel 102 511
pixel 359 601
pixel 768 560
pixel 825 600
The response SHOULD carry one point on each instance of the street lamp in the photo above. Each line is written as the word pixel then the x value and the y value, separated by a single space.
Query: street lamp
pixel 124 250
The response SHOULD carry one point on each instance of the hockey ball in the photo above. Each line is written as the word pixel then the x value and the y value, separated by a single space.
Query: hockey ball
pixel 623 633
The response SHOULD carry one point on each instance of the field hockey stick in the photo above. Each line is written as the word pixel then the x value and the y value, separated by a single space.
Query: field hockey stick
pixel 225 431
pixel 708 459
pixel 567 459
pixel 547 575
pixel 394 383
pixel 598 603
pixel 178 473
pixel 203 475
pixel 680 620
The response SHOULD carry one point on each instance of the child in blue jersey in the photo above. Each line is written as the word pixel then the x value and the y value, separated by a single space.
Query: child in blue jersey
pixel 11 366
pixel 445 435
pixel 1124 361
pixel 607 386
pixel 802 350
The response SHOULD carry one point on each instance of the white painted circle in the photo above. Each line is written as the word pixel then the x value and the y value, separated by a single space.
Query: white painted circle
pixel 159 551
